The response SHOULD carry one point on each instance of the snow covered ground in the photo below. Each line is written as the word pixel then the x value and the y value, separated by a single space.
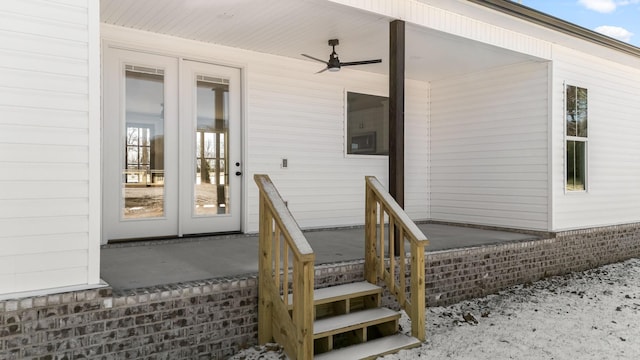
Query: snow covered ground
pixel 589 315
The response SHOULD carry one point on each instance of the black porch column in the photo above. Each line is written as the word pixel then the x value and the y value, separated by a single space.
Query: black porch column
pixel 396 114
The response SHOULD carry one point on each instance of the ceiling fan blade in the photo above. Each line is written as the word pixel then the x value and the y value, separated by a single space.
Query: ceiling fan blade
pixel 364 62
pixel 323 70
pixel 316 59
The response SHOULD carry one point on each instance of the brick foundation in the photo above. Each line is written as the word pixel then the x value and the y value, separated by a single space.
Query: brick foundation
pixel 453 276
pixel 214 319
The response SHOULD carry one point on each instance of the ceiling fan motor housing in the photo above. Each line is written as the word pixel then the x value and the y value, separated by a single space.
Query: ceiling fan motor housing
pixel 334 62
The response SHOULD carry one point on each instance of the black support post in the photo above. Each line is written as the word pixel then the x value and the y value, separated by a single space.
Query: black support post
pixel 396 114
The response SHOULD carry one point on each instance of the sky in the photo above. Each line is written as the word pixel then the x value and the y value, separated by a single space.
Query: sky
pixel 619 19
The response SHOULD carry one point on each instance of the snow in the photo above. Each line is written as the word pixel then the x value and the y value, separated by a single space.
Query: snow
pixel 587 315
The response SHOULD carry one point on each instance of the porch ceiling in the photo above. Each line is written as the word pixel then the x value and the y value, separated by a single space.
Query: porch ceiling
pixel 291 27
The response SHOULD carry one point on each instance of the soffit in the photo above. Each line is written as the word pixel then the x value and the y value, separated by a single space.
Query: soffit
pixel 291 27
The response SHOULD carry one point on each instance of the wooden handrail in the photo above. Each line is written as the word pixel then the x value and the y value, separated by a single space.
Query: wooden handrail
pixel 294 331
pixel 379 205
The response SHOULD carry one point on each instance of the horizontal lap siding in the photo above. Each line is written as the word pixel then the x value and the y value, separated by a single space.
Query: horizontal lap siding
pixel 613 144
pixel 44 144
pixel 298 115
pixel 489 159
pixel 416 199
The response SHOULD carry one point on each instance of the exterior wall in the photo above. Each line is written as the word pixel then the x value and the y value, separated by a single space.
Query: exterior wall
pixel 489 158
pixel 214 319
pixel 48 72
pixel 293 113
pixel 613 148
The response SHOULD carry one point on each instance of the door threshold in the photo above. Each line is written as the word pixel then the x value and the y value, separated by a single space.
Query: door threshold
pixel 172 237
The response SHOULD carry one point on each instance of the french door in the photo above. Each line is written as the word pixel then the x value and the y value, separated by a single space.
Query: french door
pixel 171 145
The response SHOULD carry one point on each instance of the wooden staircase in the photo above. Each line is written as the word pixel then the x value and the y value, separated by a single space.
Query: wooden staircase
pixel 350 324
pixel 344 321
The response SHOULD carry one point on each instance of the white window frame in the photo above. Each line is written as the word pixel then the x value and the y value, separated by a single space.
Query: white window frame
pixel 567 138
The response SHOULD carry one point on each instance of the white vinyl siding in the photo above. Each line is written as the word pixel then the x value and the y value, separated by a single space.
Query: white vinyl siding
pixel 614 142
pixel 45 109
pixel 489 159
pixel 416 155
pixel 291 112
pixel 303 120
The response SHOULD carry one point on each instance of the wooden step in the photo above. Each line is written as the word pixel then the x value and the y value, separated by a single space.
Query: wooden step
pixel 371 349
pixel 343 299
pixel 356 320
pixel 342 292
pixel 353 328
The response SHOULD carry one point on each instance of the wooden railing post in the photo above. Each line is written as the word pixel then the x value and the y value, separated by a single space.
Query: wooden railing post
pixel 370 237
pixel 303 308
pixel 417 292
pixel 265 265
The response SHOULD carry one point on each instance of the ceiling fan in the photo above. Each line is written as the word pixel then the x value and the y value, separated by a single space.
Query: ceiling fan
pixel 334 63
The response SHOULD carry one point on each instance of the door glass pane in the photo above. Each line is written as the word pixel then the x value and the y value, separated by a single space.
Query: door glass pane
pixel 211 185
pixel 143 171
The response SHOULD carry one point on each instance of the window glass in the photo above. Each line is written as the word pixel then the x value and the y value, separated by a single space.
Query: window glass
pixel 210 178
pixel 576 111
pixel 367 124
pixel 143 179
pixel 581 111
pixel 576 160
pixel 571 111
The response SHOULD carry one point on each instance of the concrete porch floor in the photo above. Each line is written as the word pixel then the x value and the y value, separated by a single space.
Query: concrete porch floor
pixel 135 265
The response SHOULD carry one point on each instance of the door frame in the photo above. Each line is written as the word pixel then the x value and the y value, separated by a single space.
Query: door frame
pixel 156 44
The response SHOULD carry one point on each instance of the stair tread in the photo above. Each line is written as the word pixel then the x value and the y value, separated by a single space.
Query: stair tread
pixel 370 316
pixel 371 349
pixel 333 293
pixel 345 290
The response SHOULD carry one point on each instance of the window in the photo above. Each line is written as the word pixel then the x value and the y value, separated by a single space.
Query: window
pixel 576 138
pixel 367 124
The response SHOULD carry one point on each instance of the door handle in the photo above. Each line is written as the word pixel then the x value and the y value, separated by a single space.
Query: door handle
pixel 238 173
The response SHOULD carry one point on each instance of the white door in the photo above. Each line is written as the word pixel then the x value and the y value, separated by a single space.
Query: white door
pixel 171 142
pixel 210 168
